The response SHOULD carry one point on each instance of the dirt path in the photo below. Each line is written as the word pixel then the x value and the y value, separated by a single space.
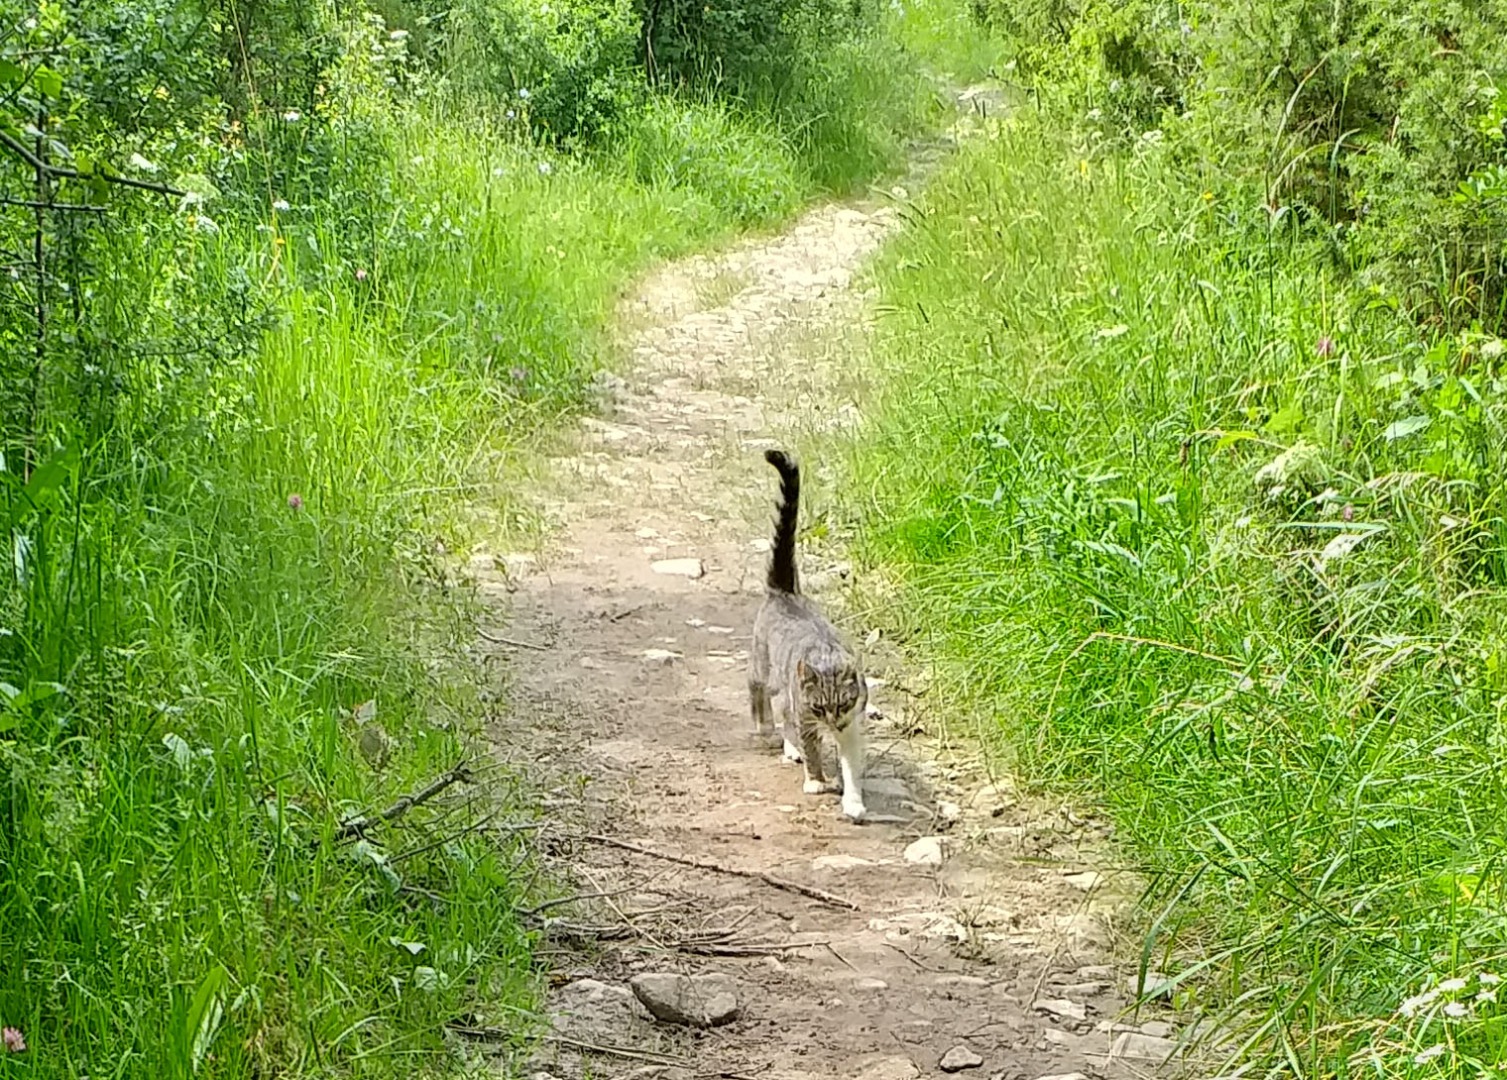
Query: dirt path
pixel 629 693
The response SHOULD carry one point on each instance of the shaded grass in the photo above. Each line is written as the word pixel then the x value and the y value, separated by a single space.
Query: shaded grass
pixel 1086 360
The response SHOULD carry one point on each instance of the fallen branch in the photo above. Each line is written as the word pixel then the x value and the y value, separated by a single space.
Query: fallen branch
pixel 498 639
pixel 701 864
pixel 18 148
pixel 607 1050
pixel 357 826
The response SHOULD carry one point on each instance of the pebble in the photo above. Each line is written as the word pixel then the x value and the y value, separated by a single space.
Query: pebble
pixel 926 851
pixel 1087 881
pixel 687 568
pixel 660 656
pixel 1062 1007
pixel 890 1068
pixel 1137 1047
pixel 959 1058
pixel 872 985
pixel 838 862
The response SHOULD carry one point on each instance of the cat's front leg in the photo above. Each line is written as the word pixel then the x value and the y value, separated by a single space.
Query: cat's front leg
pixel 811 755
pixel 850 756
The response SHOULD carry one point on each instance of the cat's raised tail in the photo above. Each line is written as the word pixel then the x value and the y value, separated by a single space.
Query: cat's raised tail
pixel 781 577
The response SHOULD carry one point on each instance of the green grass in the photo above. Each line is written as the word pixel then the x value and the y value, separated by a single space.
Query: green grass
pixel 239 541
pixel 1084 360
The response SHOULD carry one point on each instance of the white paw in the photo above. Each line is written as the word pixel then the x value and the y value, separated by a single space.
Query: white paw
pixel 819 787
pixel 793 754
pixel 853 810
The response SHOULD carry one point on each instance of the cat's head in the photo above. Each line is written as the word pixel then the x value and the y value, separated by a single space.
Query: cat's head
pixel 835 692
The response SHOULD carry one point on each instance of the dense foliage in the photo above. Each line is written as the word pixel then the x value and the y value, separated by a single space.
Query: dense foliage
pixel 288 286
pixel 1379 122
pixel 1189 456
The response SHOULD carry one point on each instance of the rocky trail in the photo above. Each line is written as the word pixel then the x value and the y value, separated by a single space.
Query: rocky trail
pixel 962 930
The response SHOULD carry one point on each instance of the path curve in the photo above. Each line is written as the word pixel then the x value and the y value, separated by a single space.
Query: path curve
pixel 635 709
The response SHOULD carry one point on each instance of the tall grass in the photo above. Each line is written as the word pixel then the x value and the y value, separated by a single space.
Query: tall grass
pixel 232 572
pixel 1215 539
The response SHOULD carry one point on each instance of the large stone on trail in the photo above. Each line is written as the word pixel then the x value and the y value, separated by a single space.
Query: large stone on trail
pixel 702 1001
pixel 959 1058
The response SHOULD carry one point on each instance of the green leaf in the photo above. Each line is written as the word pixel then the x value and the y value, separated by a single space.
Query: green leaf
pixel 1408 425
pixel 46 484
pixel 204 1015
pixel 49 82
pixel 11 73
pixel 14 702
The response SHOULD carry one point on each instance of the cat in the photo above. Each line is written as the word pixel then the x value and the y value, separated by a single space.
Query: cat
pixel 799 659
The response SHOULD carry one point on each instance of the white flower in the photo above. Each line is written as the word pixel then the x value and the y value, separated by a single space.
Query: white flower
pixel 545 168
pixel 1096 114
pixel 1411 1006
pixel 281 204
pixel 292 116
pixel 1429 1055
pixel 139 162
pixel 1489 979
pixel 1451 986
pixel 512 114
pixel 499 171
pixel 523 93
pixel 1487 995
pixel 398 35
pixel 1455 1010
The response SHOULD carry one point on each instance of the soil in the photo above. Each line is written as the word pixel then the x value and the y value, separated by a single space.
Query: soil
pixel 625 646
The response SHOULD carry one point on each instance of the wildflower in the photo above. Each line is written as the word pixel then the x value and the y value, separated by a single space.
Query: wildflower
pixel 1348 513
pixel 295 502
pixel 397 35
pixel 545 168
pixel 1487 996
pixel 523 93
pixel 360 273
pixel 13 1040
pixel 292 116
pixel 1488 979
pixel 139 162
pixel 518 374
pixel 1208 196
pixel 1096 115
pixel 512 114
pixel 1429 1055
pixel 281 205
pixel 1452 986
pixel 1324 346
pixel 1411 1006
pixel 1456 1010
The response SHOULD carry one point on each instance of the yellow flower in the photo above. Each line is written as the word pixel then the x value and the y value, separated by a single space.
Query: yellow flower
pixel 1082 167
pixel 1208 196
pixel 161 93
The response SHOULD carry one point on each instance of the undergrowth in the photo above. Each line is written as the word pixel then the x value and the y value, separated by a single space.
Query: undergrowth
pixel 291 291
pixel 1213 535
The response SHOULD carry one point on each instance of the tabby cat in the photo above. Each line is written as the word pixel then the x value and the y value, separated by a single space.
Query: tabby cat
pixel 800 663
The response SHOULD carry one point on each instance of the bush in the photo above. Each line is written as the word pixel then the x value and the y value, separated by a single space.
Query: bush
pixel 736 163
pixel 1377 122
pixel 568 68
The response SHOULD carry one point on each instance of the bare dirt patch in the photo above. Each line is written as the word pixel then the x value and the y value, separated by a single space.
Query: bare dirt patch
pixel 958 931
